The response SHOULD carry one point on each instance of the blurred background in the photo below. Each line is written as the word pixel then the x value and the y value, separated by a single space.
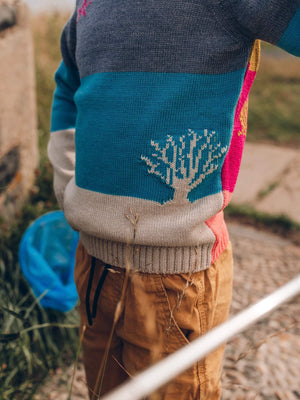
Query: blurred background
pixel 37 6
pixel 27 351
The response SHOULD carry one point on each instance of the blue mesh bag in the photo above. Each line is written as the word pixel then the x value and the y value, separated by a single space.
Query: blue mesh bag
pixel 47 260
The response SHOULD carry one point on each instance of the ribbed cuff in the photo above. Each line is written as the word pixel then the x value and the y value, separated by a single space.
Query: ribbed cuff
pixel 149 259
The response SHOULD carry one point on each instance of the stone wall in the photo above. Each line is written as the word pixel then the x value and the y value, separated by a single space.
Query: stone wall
pixel 18 125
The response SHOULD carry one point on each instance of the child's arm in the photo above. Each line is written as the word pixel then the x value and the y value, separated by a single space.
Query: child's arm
pixel 274 21
pixel 61 147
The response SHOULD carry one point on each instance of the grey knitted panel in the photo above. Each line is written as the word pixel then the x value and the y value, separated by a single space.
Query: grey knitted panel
pixel 260 19
pixel 68 42
pixel 156 36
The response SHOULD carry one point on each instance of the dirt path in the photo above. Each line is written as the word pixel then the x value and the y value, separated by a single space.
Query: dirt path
pixel 263 363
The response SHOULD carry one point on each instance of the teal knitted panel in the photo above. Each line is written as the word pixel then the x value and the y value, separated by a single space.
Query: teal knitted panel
pixel 290 40
pixel 147 144
pixel 64 109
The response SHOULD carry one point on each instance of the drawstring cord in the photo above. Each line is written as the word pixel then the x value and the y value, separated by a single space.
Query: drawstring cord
pixel 91 315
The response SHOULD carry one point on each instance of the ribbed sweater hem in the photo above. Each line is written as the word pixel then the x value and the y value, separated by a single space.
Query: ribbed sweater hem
pixel 149 259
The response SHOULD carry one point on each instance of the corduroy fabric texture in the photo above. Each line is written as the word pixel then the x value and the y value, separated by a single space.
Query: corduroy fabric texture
pixel 158 315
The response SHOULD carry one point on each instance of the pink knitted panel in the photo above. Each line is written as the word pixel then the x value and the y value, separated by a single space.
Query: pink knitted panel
pixel 219 229
pixel 233 158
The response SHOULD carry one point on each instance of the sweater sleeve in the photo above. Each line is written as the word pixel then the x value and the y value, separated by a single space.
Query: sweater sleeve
pixel 274 21
pixel 61 146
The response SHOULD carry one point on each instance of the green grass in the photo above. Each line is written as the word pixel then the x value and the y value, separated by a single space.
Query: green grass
pixel 265 192
pixel 27 356
pixel 275 100
pixel 276 224
pixel 46 33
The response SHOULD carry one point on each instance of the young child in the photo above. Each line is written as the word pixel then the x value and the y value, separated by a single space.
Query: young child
pixel 157 92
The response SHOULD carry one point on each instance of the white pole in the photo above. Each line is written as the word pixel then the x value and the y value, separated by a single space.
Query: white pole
pixel 165 370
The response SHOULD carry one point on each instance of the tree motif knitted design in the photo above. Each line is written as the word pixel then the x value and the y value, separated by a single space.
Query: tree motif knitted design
pixel 184 162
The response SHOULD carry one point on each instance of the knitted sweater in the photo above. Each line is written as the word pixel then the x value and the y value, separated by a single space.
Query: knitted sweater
pixel 157 92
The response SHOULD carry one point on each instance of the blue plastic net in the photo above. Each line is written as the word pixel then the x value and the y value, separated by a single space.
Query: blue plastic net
pixel 47 260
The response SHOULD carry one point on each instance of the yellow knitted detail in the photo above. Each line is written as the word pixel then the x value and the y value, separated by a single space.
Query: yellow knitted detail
pixel 255 56
pixel 244 119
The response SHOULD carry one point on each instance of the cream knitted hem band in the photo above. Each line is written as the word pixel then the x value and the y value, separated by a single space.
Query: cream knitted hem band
pixel 148 259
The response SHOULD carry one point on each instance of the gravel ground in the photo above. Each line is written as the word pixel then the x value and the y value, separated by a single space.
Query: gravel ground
pixel 264 361
pixel 261 363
